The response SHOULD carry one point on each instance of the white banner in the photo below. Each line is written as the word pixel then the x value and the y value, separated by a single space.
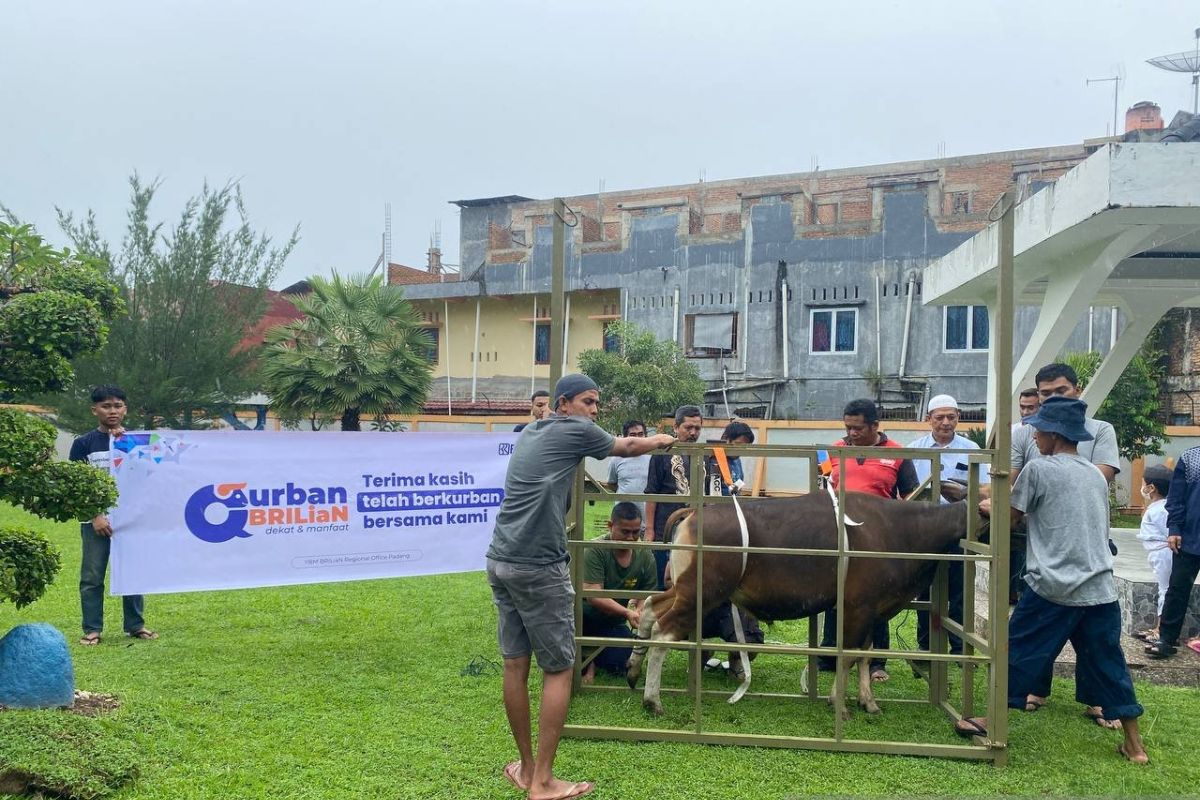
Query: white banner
pixel 231 509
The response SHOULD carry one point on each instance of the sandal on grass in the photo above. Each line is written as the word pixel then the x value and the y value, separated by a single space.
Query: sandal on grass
pixel 969 727
pixel 1034 704
pixel 1142 759
pixel 1096 715
pixel 90 639
pixel 144 633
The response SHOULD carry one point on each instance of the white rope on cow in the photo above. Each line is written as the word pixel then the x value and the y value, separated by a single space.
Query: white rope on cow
pixel 833 496
pixel 738 631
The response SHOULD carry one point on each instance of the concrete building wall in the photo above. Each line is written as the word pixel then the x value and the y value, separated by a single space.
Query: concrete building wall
pixel 770 256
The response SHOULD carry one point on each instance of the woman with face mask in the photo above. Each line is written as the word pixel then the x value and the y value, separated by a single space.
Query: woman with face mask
pixel 1153 535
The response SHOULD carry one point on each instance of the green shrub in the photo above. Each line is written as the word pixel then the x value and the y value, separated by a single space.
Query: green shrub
pixel 28 564
pixel 61 490
pixel 25 440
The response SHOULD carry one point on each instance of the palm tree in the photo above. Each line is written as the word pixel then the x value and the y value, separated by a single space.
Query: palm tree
pixel 358 350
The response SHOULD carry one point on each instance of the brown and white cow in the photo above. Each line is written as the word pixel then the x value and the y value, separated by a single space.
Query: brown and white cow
pixel 779 587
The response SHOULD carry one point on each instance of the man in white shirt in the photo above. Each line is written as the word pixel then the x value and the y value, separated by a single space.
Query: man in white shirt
pixel 954 469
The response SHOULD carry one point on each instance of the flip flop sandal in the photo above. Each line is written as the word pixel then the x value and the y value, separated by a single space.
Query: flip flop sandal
pixel 1107 724
pixel 1034 705
pixel 1121 752
pixel 144 633
pixel 1161 649
pixel 967 728
pixel 90 639
pixel 512 772
pixel 1194 645
pixel 1149 636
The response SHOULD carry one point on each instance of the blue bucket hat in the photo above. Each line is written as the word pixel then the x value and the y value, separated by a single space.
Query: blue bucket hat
pixel 1061 415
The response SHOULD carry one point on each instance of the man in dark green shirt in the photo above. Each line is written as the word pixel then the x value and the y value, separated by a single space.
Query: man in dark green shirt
pixel 610 568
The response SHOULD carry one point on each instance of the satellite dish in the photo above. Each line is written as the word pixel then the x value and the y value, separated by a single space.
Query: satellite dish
pixel 1187 61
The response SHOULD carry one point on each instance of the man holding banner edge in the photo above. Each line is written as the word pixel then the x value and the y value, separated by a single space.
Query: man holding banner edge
pixel 527 571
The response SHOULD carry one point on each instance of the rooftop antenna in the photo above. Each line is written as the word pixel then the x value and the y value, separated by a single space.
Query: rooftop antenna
pixel 1184 62
pixel 387 233
pixel 385 251
pixel 1116 82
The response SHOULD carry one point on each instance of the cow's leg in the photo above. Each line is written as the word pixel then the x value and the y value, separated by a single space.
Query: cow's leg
pixel 672 624
pixel 866 695
pixel 645 631
pixel 651 699
pixel 859 625
pixel 838 696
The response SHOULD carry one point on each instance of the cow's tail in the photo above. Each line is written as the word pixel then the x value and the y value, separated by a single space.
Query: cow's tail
pixel 678 528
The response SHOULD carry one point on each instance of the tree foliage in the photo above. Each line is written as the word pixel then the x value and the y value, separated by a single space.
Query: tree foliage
pixel 644 379
pixel 54 306
pixel 358 350
pixel 192 290
pixel 1132 405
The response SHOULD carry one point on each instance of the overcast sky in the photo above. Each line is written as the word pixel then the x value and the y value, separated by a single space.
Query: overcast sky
pixel 325 111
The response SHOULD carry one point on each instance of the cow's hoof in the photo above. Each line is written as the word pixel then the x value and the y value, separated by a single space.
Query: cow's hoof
pixel 631 679
pixel 871 708
pixel 846 714
pixel 653 706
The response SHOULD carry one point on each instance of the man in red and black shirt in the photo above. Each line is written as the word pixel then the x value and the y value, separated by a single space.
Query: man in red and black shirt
pixel 883 477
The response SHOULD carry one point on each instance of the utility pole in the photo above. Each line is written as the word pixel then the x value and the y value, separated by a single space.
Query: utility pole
pixel 557 281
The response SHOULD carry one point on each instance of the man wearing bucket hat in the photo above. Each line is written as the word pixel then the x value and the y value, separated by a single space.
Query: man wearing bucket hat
pixel 527 571
pixel 1058 380
pixel 1072 596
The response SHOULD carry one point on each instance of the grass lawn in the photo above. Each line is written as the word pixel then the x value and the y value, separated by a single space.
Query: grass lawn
pixel 358 690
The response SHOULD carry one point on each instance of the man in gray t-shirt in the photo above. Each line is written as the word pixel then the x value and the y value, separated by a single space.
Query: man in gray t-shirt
pixel 628 475
pixel 1063 498
pixel 527 571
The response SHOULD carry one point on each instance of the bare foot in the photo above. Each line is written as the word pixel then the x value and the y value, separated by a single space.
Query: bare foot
pixel 1133 753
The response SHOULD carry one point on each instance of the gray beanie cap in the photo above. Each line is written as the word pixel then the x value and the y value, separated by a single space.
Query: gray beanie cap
pixel 570 385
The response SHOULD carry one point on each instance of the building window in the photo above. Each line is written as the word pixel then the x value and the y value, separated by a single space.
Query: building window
pixel 966 328
pixel 960 203
pixel 834 330
pixel 611 343
pixel 541 344
pixel 432 335
pixel 710 335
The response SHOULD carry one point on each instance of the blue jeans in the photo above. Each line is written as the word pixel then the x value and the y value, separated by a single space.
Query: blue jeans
pixel 91 585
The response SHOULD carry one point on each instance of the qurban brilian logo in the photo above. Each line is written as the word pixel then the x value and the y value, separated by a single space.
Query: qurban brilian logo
pixel 271 509
pixel 230 495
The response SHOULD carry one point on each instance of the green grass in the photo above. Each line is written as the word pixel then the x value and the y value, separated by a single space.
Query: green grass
pixel 356 690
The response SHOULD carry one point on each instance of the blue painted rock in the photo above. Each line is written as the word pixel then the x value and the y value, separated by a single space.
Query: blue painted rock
pixel 35 668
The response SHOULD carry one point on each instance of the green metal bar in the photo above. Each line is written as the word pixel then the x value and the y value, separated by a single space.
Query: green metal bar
pixel 696 484
pixel 964 751
pixel 843 567
pixel 574 549
pixel 1000 490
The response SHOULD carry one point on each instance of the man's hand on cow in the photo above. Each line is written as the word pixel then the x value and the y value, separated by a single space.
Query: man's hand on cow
pixel 662 440
pixel 634 616
pixel 985 507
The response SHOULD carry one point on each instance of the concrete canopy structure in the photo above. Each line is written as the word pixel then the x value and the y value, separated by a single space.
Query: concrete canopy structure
pixel 1122 228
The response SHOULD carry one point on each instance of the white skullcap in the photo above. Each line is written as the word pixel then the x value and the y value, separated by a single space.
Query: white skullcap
pixel 941 401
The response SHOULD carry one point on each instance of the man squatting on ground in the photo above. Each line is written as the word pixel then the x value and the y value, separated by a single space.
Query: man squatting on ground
pixel 527 570
pixel 1072 595
pixel 610 568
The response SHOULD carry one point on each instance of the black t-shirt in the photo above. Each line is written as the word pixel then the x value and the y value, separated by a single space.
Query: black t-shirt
pixel 93 448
